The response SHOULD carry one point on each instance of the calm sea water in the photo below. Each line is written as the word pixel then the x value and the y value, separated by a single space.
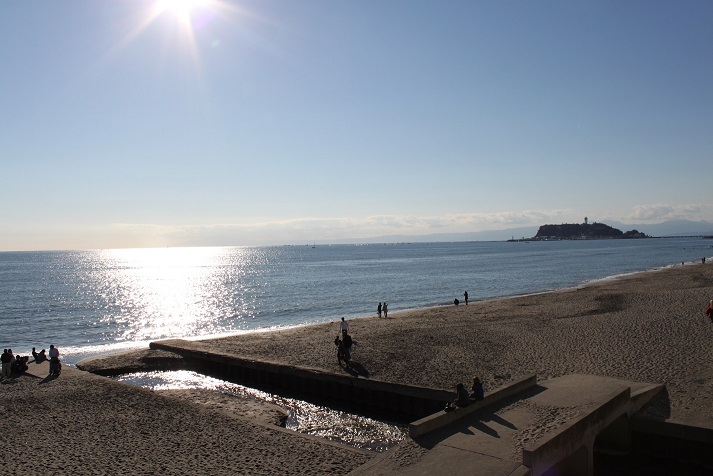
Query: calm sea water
pixel 92 302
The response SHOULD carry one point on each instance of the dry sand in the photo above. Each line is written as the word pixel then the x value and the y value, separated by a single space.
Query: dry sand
pixel 645 327
pixel 80 423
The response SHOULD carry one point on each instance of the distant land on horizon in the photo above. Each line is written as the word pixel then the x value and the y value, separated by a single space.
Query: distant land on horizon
pixel 666 228
pixel 583 231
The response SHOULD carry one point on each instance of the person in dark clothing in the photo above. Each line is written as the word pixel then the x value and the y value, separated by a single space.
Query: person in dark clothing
pixel 465 296
pixel 462 398
pixel 342 352
pixel 19 366
pixel 6 360
pixel 41 356
pixel 476 392
pixel 348 342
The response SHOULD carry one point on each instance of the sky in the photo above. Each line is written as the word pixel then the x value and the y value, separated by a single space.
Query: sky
pixel 152 123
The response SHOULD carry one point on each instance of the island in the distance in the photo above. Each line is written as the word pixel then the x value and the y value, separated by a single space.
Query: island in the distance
pixel 581 231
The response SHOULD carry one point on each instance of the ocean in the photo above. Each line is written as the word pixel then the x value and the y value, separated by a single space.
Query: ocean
pixel 98 301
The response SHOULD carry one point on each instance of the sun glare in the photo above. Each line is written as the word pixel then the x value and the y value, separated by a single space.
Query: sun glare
pixel 180 9
pixel 184 26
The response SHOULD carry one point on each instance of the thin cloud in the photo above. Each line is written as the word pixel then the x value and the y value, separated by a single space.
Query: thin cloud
pixel 308 229
pixel 662 212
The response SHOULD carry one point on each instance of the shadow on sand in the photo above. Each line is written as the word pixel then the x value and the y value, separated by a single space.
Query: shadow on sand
pixel 355 369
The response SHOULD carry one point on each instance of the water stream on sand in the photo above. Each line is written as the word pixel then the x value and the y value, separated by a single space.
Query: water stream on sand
pixel 303 417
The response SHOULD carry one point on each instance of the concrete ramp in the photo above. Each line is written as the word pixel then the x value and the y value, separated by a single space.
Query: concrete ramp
pixel 606 407
pixel 554 424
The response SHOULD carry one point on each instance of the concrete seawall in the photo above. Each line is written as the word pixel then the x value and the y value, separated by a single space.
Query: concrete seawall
pixel 398 402
pixel 441 418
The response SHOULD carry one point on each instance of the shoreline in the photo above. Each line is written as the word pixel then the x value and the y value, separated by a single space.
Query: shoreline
pixel 638 327
pixel 646 327
pixel 127 347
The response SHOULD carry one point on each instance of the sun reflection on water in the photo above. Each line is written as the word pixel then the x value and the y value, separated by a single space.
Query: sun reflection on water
pixel 177 292
pixel 304 417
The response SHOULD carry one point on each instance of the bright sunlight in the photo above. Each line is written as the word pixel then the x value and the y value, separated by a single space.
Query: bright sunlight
pixel 180 9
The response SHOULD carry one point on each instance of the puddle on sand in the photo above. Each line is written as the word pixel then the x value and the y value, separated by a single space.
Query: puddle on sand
pixel 304 417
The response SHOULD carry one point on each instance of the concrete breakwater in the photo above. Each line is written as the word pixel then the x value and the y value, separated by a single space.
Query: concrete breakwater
pixel 396 402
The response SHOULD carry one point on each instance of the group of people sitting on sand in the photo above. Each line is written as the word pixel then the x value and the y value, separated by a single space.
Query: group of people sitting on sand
pixel 465 398
pixel 40 356
pixel 13 365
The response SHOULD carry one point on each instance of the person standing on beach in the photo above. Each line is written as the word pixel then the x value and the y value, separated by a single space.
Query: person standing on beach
pixel 343 326
pixel 6 364
pixel 378 310
pixel 386 310
pixel 54 360
pixel 342 350
pixel 465 296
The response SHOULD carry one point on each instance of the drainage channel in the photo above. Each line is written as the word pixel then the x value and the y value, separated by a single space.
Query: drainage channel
pixel 304 417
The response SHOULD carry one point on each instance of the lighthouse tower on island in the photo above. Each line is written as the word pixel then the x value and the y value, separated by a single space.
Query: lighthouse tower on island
pixel 586 220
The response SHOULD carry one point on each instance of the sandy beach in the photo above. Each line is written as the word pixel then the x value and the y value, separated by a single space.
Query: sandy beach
pixel 645 327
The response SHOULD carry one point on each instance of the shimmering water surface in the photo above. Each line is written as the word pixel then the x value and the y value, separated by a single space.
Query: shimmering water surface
pixel 303 417
pixel 92 302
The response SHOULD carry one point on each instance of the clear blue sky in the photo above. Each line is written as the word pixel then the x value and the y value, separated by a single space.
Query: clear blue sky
pixel 128 123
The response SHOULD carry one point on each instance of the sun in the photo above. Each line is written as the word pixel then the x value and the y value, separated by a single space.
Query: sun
pixel 181 21
pixel 180 9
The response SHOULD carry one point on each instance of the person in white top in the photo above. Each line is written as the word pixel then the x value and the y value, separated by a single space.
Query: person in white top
pixel 55 366
pixel 343 326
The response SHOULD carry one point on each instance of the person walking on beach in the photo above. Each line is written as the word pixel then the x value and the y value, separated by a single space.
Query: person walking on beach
pixel 342 351
pixel 465 296
pixel 378 310
pixel 343 326
pixel 385 308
